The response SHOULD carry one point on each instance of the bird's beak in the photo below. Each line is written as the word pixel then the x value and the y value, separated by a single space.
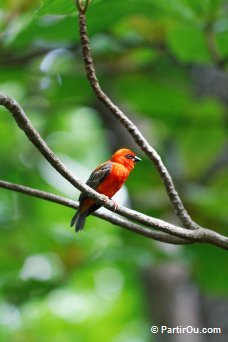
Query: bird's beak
pixel 137 159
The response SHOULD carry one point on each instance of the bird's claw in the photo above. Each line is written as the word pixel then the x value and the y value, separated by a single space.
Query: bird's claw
pixel 106 199
pixel 116 205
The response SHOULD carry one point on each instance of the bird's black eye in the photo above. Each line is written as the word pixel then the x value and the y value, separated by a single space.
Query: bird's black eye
pixel 129 156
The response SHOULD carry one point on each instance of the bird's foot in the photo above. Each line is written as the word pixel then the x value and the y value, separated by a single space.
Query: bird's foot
pixel 106 198
pixel 116 205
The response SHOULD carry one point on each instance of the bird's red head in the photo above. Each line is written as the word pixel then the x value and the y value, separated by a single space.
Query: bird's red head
pixel 125 157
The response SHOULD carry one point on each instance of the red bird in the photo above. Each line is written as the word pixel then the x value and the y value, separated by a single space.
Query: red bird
pixel 106 179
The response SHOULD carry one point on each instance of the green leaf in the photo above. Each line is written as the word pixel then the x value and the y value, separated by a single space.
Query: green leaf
pixel 64 28
pixel 122 7
pixel 188 44
pixel 211 269
pixel 56 7
pixel 59 7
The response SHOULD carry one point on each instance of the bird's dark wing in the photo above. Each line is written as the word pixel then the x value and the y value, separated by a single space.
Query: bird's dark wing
pixel 97 177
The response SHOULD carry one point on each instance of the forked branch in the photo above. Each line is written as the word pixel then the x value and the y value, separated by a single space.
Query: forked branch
pixel 131 127
pixel 168 232
pixel 199 235
pixel 82 5
pixel 110 217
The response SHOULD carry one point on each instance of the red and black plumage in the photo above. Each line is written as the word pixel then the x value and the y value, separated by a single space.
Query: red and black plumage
pixel 106 179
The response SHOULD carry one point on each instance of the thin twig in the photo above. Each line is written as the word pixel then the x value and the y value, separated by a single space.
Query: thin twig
pixel 114 219
pixel 201 234
pixel 212 46
pixel 131 127
pixel 82 5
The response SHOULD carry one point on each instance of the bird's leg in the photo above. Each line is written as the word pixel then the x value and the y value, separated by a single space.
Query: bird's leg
pixel 106 198
pixel 116 205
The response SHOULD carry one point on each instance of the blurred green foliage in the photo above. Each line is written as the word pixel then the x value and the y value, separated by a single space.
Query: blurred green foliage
pixel 59 286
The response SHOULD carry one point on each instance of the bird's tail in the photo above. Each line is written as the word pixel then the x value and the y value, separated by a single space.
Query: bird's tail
pixel 79 220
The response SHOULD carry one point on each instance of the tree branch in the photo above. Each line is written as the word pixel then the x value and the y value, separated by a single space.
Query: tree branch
pixel 116 220
pixel 131 127
pixel 24 123
pixel 82 5
pixel 171 233
pixel 200 235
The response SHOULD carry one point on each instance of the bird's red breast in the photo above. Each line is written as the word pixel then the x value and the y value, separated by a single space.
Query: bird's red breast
pixel 111 184
pixel 116 178
pixel 106 179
